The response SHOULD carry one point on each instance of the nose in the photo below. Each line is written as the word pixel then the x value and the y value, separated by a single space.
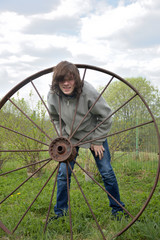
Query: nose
pixel 66 82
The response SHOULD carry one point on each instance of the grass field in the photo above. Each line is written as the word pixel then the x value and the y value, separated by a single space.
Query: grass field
pixel 135 178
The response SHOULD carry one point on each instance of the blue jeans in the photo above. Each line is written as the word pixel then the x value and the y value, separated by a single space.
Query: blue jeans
pixel 108 177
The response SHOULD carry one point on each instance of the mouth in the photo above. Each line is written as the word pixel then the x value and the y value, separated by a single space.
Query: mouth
pixel 67 88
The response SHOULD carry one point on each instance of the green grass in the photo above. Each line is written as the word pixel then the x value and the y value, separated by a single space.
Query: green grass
pixel 135 182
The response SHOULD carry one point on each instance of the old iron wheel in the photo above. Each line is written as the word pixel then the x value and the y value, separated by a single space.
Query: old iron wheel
pixel 61 150
pixel 64 145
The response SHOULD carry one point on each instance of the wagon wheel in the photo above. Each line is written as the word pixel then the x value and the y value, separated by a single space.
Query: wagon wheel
pixel 60 149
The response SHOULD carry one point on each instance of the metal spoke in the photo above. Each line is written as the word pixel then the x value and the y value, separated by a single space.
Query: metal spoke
pixel 23 83
pixel 34 199
pixel 144 206
pixel 51 199
pixel 9 129
pixel 29 119
pixel 99 227
pixel 103 189
pixel 84 74
pixel 74 118
pixel 69 203
pixel 112 134
pixel 136 126
pixel 45 107
pixel 17 169
pixel 78 143
pixel 90 110
pixel 60 116
pixel 4 228
pixel 34 150
pixel 25 181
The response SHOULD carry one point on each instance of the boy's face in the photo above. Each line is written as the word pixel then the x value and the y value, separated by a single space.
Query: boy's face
pixel 67 85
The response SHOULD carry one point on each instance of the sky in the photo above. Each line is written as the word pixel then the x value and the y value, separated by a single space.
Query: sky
pixel 122 36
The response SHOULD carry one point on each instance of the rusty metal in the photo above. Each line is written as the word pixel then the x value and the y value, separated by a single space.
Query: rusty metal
pixel 25 181
pixel 61 150
pixel 131 128
pixel 11 130
pixel 29 119
pixel 51 199
pixel 34 199
pixel 144 206
pixel 112 134
pixel 29 165
pixel 69 203
pixel 158 137
pixel 3 227
pixel 77 144
pixel 103 189
pixel 74 118
pixel 93 215
pixel 23 83
pixel 45 106
pixel 33 150
pixel 60 116
pixel 84 74
pixel 90 110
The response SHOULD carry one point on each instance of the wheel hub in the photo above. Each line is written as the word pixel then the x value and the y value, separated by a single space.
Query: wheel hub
pixel 61 150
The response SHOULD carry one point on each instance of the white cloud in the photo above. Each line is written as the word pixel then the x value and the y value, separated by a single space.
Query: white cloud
pixel 11 25
pixel 67 8
pixel 106 25
pixel 11 22
pixel 123 38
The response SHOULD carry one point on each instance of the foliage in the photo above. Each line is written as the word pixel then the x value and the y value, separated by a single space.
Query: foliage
pixel 12 118
pixel 118 93
pixel 132 114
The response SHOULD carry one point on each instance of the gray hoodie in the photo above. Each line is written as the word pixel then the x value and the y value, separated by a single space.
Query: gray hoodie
pixel 99 112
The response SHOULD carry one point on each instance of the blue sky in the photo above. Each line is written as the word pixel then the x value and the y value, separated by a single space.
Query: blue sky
pixel 122 36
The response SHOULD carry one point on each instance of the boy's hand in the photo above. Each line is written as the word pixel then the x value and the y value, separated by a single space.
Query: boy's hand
pixel 98 149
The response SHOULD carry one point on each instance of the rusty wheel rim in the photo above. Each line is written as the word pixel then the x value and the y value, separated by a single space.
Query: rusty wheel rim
pixel 65 151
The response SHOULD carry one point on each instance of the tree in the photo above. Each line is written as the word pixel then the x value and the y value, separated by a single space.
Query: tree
pixel 133 113
pixel 12 118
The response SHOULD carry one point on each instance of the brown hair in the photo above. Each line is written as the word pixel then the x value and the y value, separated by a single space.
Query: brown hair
pixel 66 69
